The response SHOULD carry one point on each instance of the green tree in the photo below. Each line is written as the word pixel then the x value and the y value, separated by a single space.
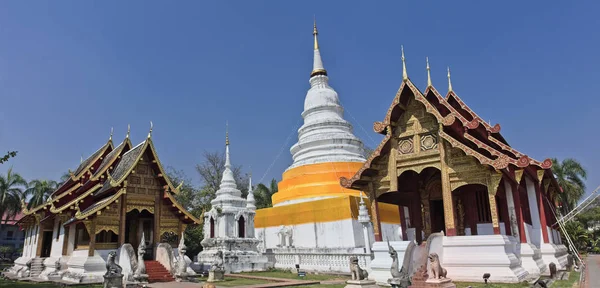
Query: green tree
pixel 65 176
pixel 11 193
pixel 570 175
pixel 579 235
pixel 39 191
pixel 262 194
pixel 211 172
pixel 189 197
pixel 8 155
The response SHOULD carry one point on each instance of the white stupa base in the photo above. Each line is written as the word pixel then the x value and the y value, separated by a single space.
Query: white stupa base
pixel 19 270
pixel 85 269
pixel 361 284
pixel 531 260
pixel 239 254
pixel 380 266
pixel 552 253
pixel 467 258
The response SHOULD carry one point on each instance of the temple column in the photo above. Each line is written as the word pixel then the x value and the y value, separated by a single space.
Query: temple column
pixel 540 201
pixel 122 219
pixel 66 232
pixel 493 185
pixel 446 191
pixel 534 211
pixel 403 222
pixel 494 212
pixel 375 214
pixel 40 240
pixel 92 232
pixel 514 211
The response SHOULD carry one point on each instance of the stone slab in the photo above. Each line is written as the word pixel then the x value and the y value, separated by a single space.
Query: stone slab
pixel 361 284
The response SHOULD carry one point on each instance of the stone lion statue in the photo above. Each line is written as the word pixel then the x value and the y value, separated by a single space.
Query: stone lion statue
pixel 437 271
pixel 112 268
pixel 357 272
pixel 217 265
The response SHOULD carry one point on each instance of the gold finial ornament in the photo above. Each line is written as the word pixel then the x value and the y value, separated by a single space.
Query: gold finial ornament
pixel 404 74
pixel 227 133
pixel 449 81
pixel 315 33
pixel 428 73
pixel 128 130
pixel 81 160
pixel 150 133
pixel 111 133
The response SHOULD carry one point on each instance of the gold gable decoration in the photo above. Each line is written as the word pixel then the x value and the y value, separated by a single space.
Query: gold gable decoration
pixel 140 205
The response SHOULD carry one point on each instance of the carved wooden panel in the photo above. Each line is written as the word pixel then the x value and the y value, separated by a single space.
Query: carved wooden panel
pixel 464 169
pixel 144 180
pixel 415 120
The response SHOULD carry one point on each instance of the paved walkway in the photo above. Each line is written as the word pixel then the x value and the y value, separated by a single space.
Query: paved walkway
pixel 273 282
pixel 592 273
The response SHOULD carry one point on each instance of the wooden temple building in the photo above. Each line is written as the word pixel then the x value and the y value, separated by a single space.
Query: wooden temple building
pixel 114 197
pixel 449 170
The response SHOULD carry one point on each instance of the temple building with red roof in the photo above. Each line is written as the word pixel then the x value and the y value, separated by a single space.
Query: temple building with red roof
pixel 118 195
pixel 449 171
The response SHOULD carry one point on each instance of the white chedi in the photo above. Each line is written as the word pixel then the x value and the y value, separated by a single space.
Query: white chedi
pixel 325 135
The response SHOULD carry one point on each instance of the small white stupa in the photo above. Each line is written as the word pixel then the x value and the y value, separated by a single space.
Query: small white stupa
pixel 229 227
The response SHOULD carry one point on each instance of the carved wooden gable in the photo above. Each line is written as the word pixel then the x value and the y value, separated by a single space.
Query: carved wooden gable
pixel 416 139
pixel 143 179
pixel 416 130
pixel 464 169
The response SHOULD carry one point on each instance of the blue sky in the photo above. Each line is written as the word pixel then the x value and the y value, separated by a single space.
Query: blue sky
pixel 71 70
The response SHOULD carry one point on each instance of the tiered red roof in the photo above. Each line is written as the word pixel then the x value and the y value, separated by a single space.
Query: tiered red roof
pixel 462 128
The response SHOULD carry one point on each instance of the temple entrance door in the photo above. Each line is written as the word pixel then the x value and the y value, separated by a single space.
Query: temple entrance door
pixel 46 244
pixel 136 224
pixel 437 216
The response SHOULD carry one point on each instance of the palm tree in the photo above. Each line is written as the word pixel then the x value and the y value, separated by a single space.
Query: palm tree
pixel 64 178
pixel 39 190
pixel 11 193
pixel 570 176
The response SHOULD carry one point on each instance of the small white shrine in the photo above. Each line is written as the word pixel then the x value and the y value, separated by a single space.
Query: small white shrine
pixel 229 227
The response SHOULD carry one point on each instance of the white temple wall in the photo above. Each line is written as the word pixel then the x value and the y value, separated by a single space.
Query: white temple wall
pixel 26 242
pixel 391 231
pixel 334 234
pixel 57 242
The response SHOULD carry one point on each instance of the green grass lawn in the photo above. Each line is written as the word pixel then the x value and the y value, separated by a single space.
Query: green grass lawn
pixel 233 282
pixel 573 278
pixel 290 275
